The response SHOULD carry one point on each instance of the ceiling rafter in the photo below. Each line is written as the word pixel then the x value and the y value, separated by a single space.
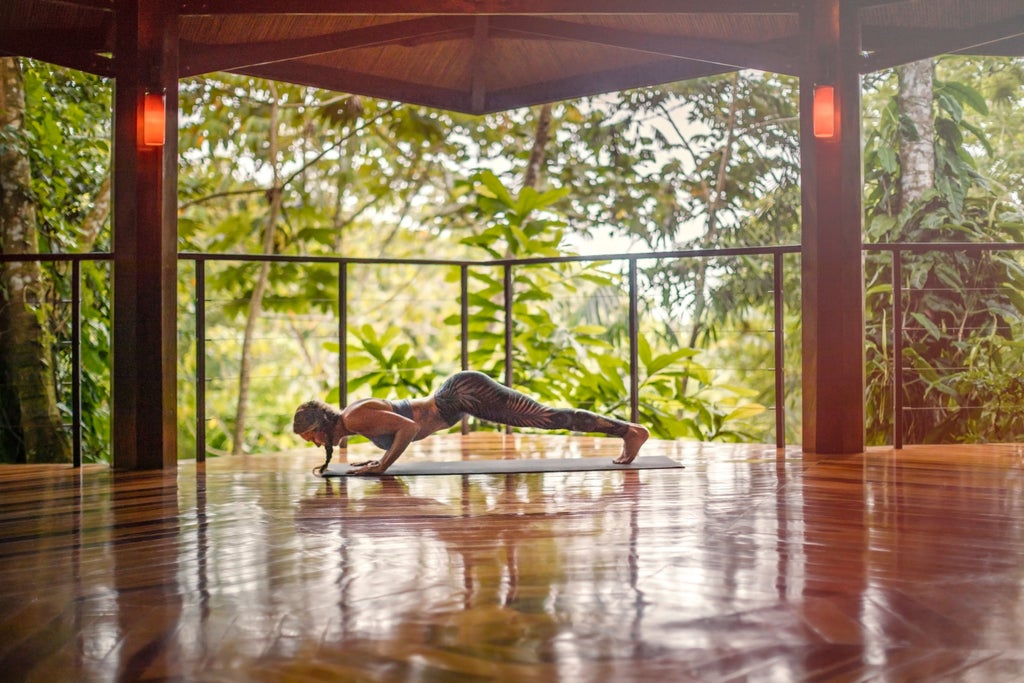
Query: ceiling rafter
pixel 725 53
pixel 477 87
pixel 65 49
pixel 197 58
pixel 493 7
pixel 610 80
pixel 1007 47
pixel 103 5
pixel 886 47
pixel 497 100
pixel 342 80
pixel 473 47
pixel 868 4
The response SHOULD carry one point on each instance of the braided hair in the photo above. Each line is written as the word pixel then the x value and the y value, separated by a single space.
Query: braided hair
pixel 316 415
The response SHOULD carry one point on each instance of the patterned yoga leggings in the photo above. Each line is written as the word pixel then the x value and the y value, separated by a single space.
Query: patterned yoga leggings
pixel 476 394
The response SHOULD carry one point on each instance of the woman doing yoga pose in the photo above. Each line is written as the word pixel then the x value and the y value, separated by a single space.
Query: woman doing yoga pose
pixel 393 425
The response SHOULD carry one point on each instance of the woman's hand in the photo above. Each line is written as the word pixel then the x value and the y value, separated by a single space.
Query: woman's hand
pixel 368 467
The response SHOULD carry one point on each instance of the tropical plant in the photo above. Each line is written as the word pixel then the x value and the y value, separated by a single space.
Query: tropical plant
pixel 55 146
pixel 960 307
pixel 561 357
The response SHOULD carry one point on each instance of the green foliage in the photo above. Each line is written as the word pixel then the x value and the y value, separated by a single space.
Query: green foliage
pixel 511 226
pixel 560 357
pixel 695 163
pixel 67 141
pixel 961 309
pixel 956 172
pixel 66 138
pixel 990 392
pixel 568 336
pixel 391 370
pixel 96 362
pixel 707 163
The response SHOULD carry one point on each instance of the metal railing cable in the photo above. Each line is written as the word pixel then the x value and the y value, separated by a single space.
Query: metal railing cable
pixel 898 251
pixel 508 267
pixel 75 341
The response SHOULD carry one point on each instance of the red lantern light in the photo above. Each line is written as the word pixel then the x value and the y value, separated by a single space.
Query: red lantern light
pixel 824 111
pixel 153 120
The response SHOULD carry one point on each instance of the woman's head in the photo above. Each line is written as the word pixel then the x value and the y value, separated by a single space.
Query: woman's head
pixel 314 421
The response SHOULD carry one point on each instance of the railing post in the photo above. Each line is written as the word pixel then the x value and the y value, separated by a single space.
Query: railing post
pixel 464 328
pixel 343 333
pixel 200 266
pixel 508 330
pixel 897 348
pixel 780 354
pixel 464 316
pixel 634 332
pixel 76 363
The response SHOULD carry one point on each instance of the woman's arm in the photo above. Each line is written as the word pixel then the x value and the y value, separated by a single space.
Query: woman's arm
pixel 374 420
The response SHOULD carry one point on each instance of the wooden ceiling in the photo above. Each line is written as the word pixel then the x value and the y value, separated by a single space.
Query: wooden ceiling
pixel 489 55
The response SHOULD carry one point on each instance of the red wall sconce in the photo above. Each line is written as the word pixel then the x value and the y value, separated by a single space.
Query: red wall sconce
pixel 153 119
pixel 824 111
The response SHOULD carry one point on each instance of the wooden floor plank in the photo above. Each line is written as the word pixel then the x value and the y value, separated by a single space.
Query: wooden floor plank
pixel 749 564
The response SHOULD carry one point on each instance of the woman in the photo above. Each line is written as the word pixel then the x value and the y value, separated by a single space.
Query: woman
pixel 393 425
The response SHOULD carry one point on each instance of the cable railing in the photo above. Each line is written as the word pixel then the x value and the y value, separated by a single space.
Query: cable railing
pixel 508 268
pixel 74 341
pixel 900 329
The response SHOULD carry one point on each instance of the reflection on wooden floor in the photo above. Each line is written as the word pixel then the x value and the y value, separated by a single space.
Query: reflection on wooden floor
pixel 747 565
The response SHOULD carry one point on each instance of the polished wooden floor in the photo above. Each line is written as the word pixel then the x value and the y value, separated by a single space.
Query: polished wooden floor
pixel 747 565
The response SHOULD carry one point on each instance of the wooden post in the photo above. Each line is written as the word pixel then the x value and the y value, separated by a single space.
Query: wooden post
pixel 145 240
pixel 832 264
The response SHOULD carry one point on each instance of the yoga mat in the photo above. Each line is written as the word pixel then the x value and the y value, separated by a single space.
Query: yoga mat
pixel 517 466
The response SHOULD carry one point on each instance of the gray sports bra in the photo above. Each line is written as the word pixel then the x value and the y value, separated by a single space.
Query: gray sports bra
pixel 403 408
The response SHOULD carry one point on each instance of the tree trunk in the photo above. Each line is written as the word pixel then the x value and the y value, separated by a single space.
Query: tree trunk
pixel 917 156
pixel 540 143
pixel 96 219
pixel 715 198
pixel 26 346
pixel 259 288
pixel 531 176
pixel 917 175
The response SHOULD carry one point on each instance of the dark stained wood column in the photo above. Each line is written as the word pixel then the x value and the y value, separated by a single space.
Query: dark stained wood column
pixel 145 240
pixel 833 277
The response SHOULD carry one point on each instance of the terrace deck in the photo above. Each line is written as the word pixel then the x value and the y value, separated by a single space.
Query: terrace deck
pixel 749 564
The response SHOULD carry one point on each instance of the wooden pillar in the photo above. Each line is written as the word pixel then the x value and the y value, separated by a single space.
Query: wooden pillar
pixel 833 273
pixel 145 240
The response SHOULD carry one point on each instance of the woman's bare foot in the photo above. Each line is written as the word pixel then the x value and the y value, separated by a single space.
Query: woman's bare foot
pixel 635 437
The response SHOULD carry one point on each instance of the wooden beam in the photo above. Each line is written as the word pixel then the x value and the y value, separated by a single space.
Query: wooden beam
pixel 611 80
pixel 477 86
pixel 831 228
pixel 867 4
pixel 1007 47
pixel 725 53
pixel 887 47
pixel 102 5
pixel 666 71
pixel 342 80
pixel 492 7
pixel 145 241
pixel 63 48
pixel 197 58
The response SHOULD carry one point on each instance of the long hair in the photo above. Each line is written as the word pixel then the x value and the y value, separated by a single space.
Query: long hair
pixel 313 415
